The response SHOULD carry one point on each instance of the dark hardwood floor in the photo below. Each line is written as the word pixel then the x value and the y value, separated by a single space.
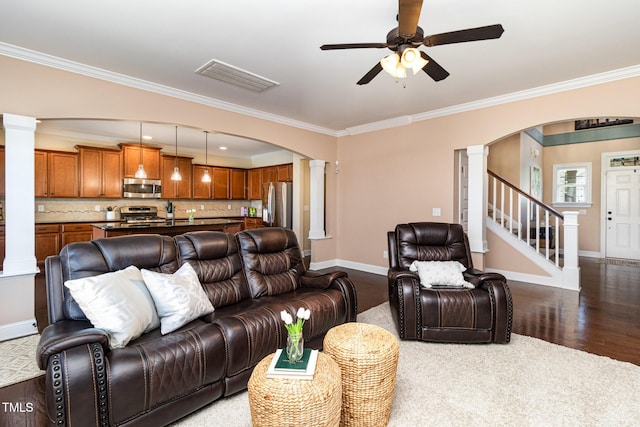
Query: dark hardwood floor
pixel 603 319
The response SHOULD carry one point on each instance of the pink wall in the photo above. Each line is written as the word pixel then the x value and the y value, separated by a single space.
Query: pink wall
pixel 400 174
pixel 386 177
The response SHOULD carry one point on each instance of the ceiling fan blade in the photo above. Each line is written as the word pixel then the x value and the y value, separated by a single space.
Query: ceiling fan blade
pixel 433 69
pixel 468 35
pixel 353 46
pixel 408 16
pixel 371 74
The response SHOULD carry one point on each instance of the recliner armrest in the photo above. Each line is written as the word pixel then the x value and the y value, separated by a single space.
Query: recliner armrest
pixel 312 279
pixel 477 277
pixel 394 274
pixel 66 334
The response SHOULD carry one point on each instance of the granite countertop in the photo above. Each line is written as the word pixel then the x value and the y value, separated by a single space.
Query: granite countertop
pixel 118 225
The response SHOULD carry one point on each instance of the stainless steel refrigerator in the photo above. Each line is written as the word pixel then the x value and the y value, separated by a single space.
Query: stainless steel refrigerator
pixel 277 206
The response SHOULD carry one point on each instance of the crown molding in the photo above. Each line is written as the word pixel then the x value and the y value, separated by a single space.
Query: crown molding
pixel 89 71
pixel 122 79
pixel 595 79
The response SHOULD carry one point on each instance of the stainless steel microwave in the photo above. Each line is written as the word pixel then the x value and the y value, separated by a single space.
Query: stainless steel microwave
pixel 142 188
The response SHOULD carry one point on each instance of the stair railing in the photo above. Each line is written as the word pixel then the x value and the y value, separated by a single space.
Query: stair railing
pixel 535 223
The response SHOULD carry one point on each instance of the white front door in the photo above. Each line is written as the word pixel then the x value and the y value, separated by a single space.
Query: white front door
pixel 623 214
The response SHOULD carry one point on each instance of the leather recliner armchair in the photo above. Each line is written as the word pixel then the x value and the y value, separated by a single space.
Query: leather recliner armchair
pixel 444 314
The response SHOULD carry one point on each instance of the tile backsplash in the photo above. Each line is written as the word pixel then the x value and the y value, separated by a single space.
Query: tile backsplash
pixel 89 210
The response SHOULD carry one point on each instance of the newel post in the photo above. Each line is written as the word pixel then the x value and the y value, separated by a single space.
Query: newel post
pixel 571 270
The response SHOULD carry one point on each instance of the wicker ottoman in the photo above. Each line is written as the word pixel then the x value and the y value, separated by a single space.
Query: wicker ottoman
pixel 368 357
pixel 284 402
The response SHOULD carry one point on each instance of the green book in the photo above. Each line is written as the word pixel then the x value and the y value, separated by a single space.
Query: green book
pixel 283 363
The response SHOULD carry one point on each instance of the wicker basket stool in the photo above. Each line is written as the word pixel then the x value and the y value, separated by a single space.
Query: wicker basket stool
pixel 284 402
pixel 368 357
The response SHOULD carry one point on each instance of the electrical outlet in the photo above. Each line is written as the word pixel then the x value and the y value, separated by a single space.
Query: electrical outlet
pixel 97 208
pixel 385 254
pixel 436 212
pixel 228 206
pixel 201 207
pixel 40 208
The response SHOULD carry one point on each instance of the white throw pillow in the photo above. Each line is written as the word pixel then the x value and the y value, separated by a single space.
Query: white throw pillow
pixel 117 302
pixel 179 297
pixel 440 273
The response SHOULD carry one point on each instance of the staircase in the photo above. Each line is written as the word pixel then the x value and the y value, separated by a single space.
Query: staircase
pixel 545 236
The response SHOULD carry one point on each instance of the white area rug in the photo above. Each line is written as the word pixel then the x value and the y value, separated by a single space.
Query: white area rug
pixel 18 360
pixel 528 382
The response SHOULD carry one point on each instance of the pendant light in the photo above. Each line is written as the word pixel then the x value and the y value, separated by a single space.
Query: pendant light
pixel 206 177
pixel 140 173
pixel 175 176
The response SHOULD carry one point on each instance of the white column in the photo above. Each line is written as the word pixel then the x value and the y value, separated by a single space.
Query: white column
pixel 571 270
pixel 298 197
pixel 478 197
pixel 19 195
pixel 316 195
pixel 17 278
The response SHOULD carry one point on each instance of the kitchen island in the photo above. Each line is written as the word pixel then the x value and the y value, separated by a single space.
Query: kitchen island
pixel 169 227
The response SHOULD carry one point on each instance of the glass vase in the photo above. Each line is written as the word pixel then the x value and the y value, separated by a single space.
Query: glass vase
pixel 295 347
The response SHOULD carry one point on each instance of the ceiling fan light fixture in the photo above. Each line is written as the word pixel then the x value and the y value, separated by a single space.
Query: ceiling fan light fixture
pixel 412 59
pixel 392 65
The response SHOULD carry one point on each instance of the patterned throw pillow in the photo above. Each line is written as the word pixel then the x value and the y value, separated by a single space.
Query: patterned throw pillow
pixel 440 273
pixel 179 297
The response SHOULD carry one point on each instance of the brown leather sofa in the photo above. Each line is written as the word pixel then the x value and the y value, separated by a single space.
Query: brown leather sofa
pixel 156 379
pixel 481 314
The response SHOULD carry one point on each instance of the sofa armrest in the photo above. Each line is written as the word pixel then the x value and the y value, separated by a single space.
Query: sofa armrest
pixel 334 280
pixel 313 279
pixel 66 334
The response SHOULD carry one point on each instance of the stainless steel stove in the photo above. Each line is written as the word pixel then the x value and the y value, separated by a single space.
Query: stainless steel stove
pixel 140 214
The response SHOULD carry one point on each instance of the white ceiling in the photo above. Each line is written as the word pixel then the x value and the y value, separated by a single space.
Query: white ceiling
pixel 163 42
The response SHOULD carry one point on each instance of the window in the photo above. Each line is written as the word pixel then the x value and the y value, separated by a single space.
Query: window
pixel 572 184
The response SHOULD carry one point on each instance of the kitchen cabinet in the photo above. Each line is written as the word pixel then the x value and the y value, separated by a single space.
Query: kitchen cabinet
pixel 238 181
pixel 56 174
pixel 254 184
pixel 100 172
pixel 201 190
pixel 269 174
pixel 284 173
pixel 252 222
pixel 131 160
pixel 176 189
pixel 221 177
pixel 47 241
pixel 75 233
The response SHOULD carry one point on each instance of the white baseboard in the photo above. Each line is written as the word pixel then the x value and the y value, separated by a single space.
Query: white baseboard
pixel 18 329
pixel 368 268
pixel 323 264
pixel 527 278
pixel 589 254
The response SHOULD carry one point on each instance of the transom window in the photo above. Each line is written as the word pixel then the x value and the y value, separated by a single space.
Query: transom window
pixel 572 184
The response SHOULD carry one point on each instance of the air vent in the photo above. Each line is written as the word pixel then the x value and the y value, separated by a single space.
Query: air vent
pixel 233 75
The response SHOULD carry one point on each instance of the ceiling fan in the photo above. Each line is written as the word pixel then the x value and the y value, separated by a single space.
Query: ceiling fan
pixel 405 39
